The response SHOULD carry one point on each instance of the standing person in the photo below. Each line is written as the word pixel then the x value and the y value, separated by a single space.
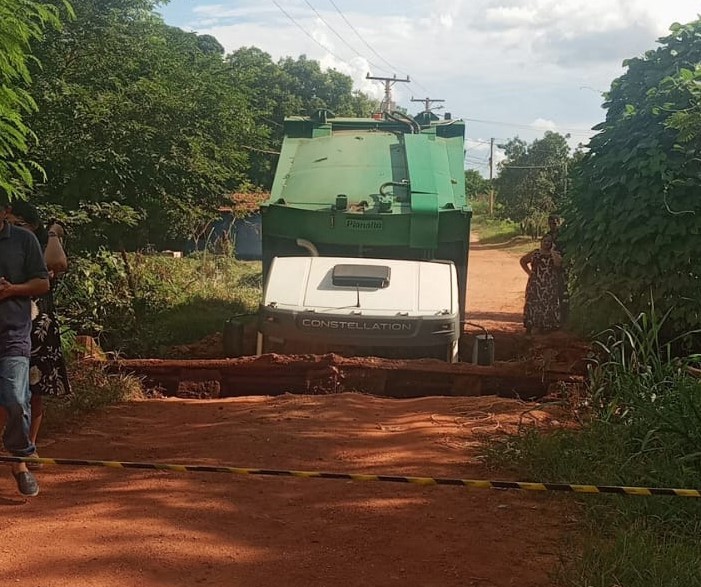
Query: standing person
pixel 47 370
pixel 554 224
pixel 554 231
pixel 23 275
pixel 542 309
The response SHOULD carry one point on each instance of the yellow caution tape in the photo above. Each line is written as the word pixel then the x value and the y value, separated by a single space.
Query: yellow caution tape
pixel 470 483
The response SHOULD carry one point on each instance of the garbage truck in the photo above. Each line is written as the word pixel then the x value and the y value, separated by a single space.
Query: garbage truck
pixel 365 238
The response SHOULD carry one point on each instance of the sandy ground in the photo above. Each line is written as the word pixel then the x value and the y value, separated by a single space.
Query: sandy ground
pixel 496 286
pixel 110 528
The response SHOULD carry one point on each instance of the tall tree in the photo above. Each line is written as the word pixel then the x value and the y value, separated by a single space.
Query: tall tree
pixel 266 88
pixel 532 181
pixel 330 89
pixel 634 220
pixel 138 113
pixel 475 184
pixel 150 126
pixel 21 23
pixel 290 87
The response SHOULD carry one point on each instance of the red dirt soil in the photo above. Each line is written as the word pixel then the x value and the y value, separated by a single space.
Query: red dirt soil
pixel 109 528
pixel 122 528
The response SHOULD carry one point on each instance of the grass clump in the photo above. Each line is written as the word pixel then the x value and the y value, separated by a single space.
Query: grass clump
pixel 641 426
pixel 140 305
pixel 94 389
pixel 495 230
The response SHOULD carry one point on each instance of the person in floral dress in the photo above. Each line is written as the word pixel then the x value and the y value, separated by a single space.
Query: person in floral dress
pixel 542 309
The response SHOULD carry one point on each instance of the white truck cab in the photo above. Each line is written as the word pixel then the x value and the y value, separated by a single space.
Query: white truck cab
pixel 356 306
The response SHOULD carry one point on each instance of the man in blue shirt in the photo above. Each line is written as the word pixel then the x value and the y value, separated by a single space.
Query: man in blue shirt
pixel 23 275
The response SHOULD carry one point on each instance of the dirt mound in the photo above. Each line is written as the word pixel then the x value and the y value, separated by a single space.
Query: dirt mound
pixel 210 347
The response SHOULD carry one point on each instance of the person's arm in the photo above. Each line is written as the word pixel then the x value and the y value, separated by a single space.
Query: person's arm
pixel 54 255
pixel 525 262
pixel 557 257
pixel 33 288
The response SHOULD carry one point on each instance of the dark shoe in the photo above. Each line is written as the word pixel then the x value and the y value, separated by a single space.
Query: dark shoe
pixel 35 466
pixel 26 483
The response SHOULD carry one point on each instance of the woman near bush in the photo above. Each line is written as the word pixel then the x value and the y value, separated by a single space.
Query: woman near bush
pixel 48 374
pixel 542 310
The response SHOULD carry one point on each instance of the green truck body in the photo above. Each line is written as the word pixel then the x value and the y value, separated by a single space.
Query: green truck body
pixel 386 188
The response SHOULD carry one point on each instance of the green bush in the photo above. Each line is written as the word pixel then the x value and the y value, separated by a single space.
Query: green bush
pixel 494 230
pixel 634 222
pixel 480 206
pixel 140 304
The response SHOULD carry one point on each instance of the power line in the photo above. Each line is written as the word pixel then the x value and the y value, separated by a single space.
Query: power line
pixel 324 47
pixel 343 16
pixel 346 43
pixel 527 126
pixel 483 142
pixel 427 103
pixel 308 35
pixel 507 166
pixel 387 103
pixel 469 155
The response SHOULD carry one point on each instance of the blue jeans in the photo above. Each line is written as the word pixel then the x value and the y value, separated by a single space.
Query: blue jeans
pixel 14 397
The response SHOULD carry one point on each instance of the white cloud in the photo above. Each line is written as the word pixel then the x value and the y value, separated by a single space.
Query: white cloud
pixel 219 11
pixel 510 16
pixel 543 124
pixel 446 20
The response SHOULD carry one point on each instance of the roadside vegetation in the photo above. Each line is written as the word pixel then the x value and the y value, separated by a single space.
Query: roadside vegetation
pixel 140 305
pixel 633 218
pixel 639 424
pixel 93 389
pixel 495 230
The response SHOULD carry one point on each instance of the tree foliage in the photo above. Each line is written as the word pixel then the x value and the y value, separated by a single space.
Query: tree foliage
pixel 475 184
pixel 22 22
pixel 290 87
pixel 532 181
pixel 136 114
pixel 634 219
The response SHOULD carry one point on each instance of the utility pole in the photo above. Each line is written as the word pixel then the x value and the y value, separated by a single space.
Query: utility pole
pixel 387 105
pixel 491 176
pixel 427 103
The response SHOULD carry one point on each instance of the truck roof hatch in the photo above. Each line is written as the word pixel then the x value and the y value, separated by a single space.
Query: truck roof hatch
pixel 348 275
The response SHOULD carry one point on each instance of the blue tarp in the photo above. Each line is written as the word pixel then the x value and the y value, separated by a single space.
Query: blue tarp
pixel 248 238
pixel 245 235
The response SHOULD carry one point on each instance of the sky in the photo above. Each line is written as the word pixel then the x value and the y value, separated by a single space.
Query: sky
pixel 507 67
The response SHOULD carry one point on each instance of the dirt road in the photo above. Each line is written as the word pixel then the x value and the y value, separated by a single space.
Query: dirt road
pixel 496 287
pixel 123 528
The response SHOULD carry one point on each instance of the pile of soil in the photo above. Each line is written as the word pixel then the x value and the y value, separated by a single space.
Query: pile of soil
pixel 210 347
